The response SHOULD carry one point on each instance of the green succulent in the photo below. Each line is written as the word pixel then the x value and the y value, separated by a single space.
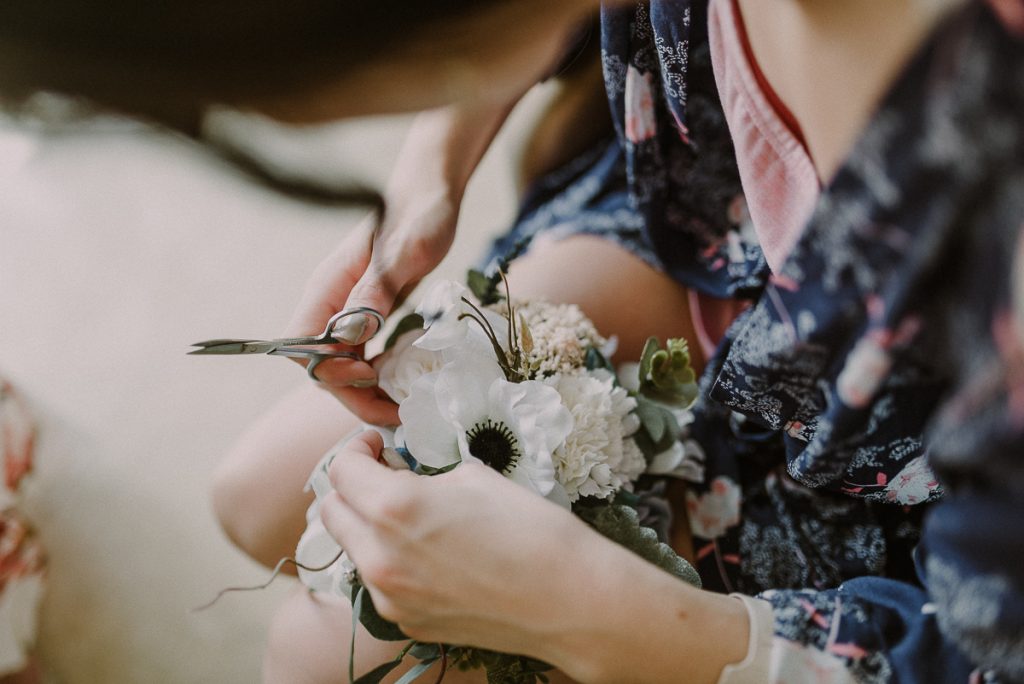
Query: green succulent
pixel 665 373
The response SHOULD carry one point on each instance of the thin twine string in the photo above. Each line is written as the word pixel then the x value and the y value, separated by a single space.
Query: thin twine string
pixel 444 665
pixel 277 571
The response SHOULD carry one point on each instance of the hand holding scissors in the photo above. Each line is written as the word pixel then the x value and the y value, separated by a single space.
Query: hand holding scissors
pixel 300 347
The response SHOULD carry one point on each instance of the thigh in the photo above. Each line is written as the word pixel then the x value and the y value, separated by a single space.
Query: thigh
pixel 309 640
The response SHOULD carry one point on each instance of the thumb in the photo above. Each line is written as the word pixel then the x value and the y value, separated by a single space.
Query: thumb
pixel 377 290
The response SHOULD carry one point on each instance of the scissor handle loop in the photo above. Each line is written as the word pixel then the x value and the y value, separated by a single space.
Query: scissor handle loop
pixel 332 323
pixel 319 357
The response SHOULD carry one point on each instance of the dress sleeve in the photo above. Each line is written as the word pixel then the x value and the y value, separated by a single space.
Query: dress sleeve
pixel 965 623
pixel 869 630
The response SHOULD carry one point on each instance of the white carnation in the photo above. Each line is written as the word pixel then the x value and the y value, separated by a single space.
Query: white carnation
pixel 598 458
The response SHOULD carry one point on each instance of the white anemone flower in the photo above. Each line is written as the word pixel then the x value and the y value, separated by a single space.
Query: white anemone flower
pixel 469 412
pixel 444 311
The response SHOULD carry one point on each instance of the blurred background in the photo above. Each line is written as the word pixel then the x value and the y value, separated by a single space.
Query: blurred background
pixel 119 247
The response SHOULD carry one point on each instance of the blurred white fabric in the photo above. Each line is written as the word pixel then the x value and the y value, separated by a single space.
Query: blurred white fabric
pixel 119 248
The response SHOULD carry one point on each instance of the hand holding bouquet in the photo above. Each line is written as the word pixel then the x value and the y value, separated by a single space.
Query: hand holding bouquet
pixel 526 389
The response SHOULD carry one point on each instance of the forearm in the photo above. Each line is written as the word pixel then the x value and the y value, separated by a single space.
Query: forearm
pixel 446 145
pixel 628 621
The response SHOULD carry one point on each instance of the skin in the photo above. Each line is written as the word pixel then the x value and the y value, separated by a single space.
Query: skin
pixel 412 537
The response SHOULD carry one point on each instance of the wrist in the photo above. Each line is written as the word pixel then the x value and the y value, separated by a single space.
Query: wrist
pixel 628 621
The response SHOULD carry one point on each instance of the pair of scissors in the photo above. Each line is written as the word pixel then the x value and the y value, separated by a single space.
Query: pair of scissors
pixel 297 347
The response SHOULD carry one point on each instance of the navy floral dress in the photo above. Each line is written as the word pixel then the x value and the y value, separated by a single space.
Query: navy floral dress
pixel 863 420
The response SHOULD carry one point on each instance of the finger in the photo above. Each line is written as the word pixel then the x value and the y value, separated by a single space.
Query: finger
pixel 367 443
pixel 343 373
pixel 373 291
pixel 363 483
pixel 353 533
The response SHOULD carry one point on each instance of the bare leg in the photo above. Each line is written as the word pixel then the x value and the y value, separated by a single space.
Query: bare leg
pixel 309 641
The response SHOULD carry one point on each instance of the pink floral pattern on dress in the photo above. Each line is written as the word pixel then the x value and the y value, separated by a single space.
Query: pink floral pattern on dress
pixel 17 437
pixel 867 366
pixel 22 560
pixel 641 124
pixel 712 514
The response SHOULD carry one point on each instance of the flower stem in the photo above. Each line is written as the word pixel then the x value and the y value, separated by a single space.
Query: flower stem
pixel 277 571
pixel 489 334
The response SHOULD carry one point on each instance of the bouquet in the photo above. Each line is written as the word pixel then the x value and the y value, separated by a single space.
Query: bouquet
pixel 525 388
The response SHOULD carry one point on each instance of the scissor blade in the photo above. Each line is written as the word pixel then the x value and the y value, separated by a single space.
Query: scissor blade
pixel 229 340
pixel 234 347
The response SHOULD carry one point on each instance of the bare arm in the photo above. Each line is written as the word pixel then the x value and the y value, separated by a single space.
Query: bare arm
pixel 376 266
pixel 257 491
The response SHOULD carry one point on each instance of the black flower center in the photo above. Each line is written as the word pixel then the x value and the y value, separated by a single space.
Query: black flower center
pixel 494 444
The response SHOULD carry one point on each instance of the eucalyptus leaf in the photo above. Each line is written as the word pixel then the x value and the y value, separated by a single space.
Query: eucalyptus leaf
pixel 422 651
pixel 659 428
pixel 652 418
pixel 621 524
pixel 378 627
pixel 412 321
pixel 650 349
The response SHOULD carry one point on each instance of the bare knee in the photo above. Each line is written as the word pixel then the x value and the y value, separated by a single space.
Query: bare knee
pixel 620 292
pixel 257 491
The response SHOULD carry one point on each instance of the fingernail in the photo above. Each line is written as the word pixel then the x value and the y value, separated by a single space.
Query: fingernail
pixel 350 330
pixel 363 384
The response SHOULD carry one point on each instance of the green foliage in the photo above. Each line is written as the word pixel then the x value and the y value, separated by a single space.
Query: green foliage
pixel 422 651
pixel 484 287
pixel 658 427
pixel 411 322
pixel 426 654
pixel 501 668
pixel 666 375
pixel 621 524
pixel 427 470
pixel 595 359
pixel 378 627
